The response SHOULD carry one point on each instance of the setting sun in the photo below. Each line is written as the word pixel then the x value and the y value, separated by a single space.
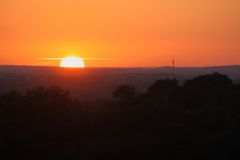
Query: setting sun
pixel 72 62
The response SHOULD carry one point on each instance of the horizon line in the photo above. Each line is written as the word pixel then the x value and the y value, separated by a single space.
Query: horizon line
pixel 123 67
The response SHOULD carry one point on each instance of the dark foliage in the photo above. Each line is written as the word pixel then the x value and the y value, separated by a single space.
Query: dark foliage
pixel 125 93
pixel 197 120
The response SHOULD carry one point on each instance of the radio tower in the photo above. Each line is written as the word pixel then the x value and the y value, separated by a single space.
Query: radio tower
pixel 173 67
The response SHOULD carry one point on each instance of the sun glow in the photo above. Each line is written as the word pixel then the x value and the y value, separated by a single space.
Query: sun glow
pixel 72 62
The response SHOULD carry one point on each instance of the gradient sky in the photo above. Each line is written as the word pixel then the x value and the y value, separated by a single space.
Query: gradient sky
pixel 123 33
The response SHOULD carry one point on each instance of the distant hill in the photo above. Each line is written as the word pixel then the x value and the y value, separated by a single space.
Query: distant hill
pixel 92 83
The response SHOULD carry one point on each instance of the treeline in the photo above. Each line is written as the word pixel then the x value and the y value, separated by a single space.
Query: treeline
pixel 199 119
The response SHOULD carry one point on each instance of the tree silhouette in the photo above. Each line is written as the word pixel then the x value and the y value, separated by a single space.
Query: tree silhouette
pixel 163 90
pixel 209 89
pixel 125 93
pixel 197 120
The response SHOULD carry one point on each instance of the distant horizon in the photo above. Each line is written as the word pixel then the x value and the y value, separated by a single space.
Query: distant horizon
pixel 207 66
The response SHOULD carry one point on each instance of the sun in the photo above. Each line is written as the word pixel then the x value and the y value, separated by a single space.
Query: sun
pixel 72 62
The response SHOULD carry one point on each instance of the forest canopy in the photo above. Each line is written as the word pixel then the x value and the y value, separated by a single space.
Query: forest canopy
pixel 198 119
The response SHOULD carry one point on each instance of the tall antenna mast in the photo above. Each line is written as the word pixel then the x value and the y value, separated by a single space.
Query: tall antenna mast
pixel 173 66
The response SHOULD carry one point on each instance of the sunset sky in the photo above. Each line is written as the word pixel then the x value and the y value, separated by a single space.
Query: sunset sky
pixel 120 33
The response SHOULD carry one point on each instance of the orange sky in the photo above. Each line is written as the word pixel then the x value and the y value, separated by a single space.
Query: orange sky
pixel 123 33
